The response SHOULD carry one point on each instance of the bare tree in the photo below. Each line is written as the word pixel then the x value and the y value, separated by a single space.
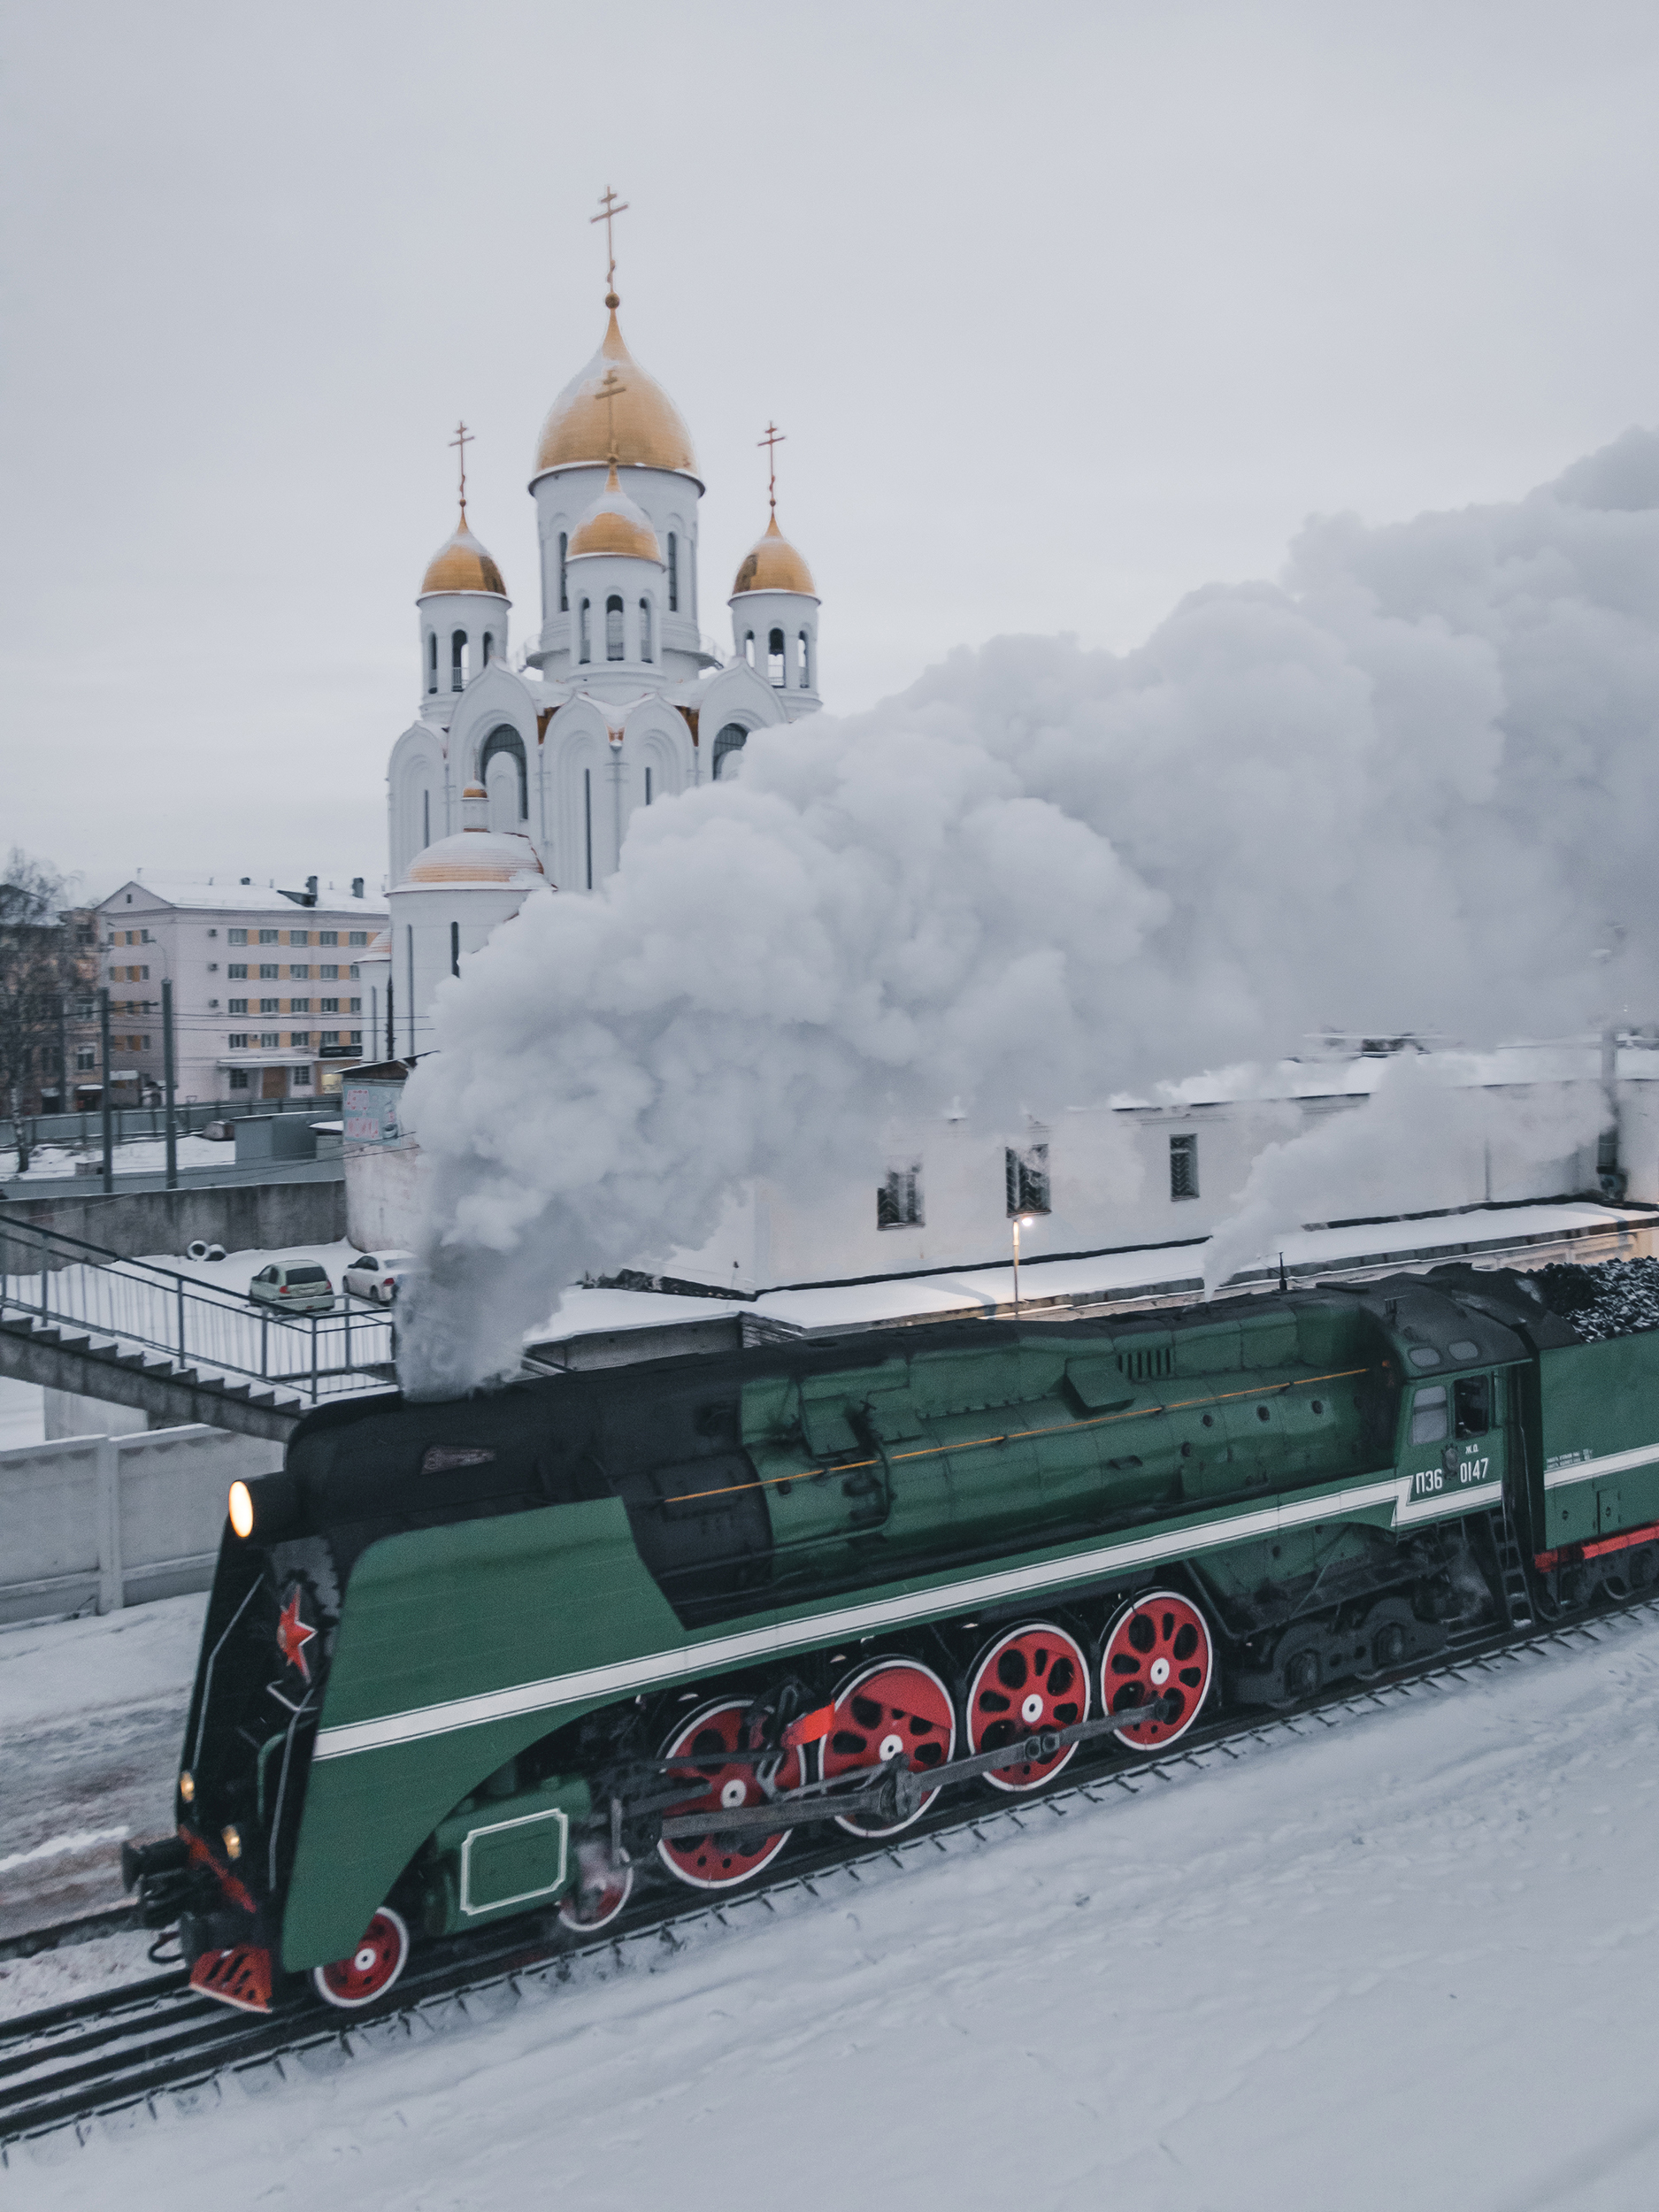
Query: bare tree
pixel 36 968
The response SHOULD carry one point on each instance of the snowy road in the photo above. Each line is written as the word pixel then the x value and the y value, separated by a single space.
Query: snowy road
pixel 1405 1962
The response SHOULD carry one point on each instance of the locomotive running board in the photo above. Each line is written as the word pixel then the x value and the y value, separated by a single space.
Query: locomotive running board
pixel 897 1794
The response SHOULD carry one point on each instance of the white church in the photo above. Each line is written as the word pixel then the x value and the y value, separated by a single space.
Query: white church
pixel 511 776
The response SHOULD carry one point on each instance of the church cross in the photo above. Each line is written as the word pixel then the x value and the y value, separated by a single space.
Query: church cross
pixel 611 391
pixel 610 208
pixel 462 439
pixel 773 439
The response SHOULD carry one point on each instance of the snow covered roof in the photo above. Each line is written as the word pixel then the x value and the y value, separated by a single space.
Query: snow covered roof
pixel 245 898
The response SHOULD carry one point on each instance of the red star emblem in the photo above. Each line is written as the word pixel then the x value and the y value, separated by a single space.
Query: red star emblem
pixel 293 1636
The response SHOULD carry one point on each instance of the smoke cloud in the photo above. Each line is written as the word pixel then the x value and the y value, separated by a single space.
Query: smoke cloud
pixel 1411 787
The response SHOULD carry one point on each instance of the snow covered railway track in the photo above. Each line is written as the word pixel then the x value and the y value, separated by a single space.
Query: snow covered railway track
pixel 134 2055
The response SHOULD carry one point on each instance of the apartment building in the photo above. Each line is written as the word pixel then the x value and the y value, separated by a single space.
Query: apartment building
pixel 267 1001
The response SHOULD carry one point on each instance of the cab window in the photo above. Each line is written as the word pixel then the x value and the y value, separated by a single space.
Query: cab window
pixel 1428 1414
pixel 1471 1404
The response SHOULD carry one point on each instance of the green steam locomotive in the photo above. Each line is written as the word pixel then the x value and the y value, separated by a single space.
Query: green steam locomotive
pixel 512 1653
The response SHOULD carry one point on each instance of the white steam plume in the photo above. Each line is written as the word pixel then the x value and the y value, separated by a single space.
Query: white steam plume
pixel 1413 787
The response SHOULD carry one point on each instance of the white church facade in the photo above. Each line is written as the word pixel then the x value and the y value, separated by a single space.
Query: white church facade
pixel 510 777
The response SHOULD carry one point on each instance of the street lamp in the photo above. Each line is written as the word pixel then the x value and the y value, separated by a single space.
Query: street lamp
pixel 1020 1222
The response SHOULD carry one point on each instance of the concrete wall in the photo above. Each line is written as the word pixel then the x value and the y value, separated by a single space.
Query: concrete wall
pixel 109 1520
pixel 241 1216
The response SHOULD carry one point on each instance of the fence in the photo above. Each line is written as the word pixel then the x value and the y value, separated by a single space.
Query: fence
pixel 109 1520
pixel 87 1128
pixel 60 1281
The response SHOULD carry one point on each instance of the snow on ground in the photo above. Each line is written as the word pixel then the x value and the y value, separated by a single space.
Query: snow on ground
pixel 91 1719
pixel 1406 1962
pixel 237 1270
pixel 139 1155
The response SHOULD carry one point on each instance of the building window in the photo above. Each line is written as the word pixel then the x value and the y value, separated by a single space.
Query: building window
pixel 86 1056
pixel 506 740
pixel 457 661
pixel 301 969
pixel 613 628
pixel 425 819
pixel 269 936
pixel 302 1079
pixel 269 1039
pixel 239 1079
pixel 774 659
pixel 237 971
pixel 899 1198
pixel 674 573
pixel 803 666
pixel 1026 1174
pixel 237 936
pixel 1183 1167
pixel 330 1037
pixel 455 947
pixel 238 1038
pixel 584 650
pixel 489 647
pixel 267 971
pixel 300 1037
pixel 299 937
pixel 359 937
pixel 748 647
pixel 432 660
pixel 648 786
pixel 357 1006
pixel 299 1006
pixel 329 1005
pixel 565 595
pixel 357 1036
pixel 731 740
pixel 328 972
pixel 328 936
pixel 237 1006
pixel 587 820
pixel 270 1006
pixel 646 653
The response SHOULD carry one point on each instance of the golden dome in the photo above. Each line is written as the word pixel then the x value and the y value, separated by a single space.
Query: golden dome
pixel 613 524
pixel 462 564
pixel 648 430
pixel 771 564
pixel 477 855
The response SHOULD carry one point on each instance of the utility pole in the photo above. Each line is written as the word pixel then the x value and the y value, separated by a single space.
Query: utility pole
pixel 167 1081
pixel 391 1039
pixel 109 1126
pixel 63 1051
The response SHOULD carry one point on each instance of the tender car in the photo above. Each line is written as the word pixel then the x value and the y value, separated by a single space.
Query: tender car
pixel 296 1288
pixel 368 1277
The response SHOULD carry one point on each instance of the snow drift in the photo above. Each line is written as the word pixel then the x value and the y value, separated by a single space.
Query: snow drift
pixel 1411 787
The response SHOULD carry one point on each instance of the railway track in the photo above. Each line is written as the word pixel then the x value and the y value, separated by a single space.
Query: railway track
pixel 124 2055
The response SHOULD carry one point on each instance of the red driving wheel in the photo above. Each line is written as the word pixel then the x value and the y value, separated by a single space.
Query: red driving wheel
pixel 1158 1646
pixel 371 1969
pixel 1031 1679
pixel 600 1891
pixel 885 1707
pixel 701 1745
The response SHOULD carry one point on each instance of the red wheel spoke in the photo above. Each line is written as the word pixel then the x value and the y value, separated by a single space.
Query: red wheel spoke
pixel 884 1707
pixel 700 1745
pixel 1157 1648
pixel 1024 1681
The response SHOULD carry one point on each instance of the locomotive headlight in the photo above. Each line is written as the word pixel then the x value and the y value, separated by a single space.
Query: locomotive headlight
pixel 233 1843
pixel 242 1509
pixel 186 1786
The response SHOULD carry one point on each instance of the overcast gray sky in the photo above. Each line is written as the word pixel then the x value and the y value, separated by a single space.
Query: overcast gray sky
pixel 1065 311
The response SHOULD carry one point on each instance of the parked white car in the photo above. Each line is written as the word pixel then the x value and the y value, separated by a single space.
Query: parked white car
pixel 301 1287
pixel 369 1277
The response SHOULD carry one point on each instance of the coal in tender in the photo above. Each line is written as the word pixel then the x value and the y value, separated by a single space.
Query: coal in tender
pixel 1615 1298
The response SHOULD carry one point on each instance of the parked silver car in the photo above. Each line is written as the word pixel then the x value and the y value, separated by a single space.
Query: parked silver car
pixel 368 1277
pixel 301 1287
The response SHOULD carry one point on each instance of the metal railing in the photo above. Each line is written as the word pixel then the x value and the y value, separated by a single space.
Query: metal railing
pixel 63 1282
pixel 82 1127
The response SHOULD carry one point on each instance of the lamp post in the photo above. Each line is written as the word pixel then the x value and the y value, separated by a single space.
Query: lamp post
pixel 1020 1222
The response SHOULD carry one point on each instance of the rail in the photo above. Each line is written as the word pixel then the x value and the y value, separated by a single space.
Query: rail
pixel 55 1281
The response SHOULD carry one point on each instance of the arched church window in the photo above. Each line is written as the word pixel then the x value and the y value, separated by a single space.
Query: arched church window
pixel 432 660
pixel 673 572
pixel 613 628
pixel 731 740
pixel 646 653
pixel 425 819
pixel 506 740
pixel 457 661
pixel 565 595
pixel 803 664
pixel 748 647
pixel 586 649
pixel 774 658
pixel 489 646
